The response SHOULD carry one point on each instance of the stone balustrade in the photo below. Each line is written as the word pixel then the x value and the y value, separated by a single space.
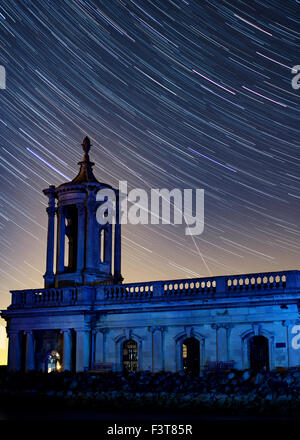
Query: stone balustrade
pixel 257 282
pixel 226 285
pixel 252 284
pixel 44 297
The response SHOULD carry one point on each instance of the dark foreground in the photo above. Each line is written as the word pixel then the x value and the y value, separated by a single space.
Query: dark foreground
pixel 219 395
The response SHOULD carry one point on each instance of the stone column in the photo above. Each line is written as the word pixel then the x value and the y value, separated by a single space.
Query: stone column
pixel 60 255
pixel 157 348
pixel 117 250
pixel 50 240
pixel 80 237
pixel 14 351
pixel 82 349
pixel 67 350
pixel 99 346
pixel 29 351
pixel 49 275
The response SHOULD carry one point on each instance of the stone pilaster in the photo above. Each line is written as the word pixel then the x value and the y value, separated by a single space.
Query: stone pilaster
pixel 14 351
pixel 99 345
pixel 82 349
pixel 222 341
pixel 29 351
pixel 67 350
pixel 157 348
pixel 293 354
pixel 97 247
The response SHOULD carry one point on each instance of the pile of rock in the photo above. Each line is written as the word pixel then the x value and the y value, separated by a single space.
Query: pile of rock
pixel 232 391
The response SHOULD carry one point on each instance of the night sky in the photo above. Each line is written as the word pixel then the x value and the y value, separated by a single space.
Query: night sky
pixel 173 94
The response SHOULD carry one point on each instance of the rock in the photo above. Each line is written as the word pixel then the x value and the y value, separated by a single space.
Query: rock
pixel 203 397
pixel 289 380
pixel 233 390
pixel 73 384
pixel 259 379
pixel 50 393
pixel 246 375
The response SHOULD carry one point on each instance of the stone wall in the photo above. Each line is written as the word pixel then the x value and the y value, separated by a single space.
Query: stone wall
pixel 232 392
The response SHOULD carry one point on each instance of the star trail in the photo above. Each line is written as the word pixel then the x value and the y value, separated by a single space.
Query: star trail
pixel 173 94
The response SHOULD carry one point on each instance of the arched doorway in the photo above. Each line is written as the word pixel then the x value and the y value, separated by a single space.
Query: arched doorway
pixel 130 355
pixel 191 356
pixel 258 353
pixel 53 361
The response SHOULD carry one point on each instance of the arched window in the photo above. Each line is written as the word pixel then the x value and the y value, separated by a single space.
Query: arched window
pixel 258 351
pixel 53 361
pixel 71 233
pixel 102 245
pixel 191 356
pixel 130 355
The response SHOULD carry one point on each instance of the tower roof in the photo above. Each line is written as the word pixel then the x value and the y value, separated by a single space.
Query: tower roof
pixel 86 166
pixel 85 175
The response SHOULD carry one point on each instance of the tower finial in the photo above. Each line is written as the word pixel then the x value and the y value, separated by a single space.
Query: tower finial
pixel 86 145
pixel 86 166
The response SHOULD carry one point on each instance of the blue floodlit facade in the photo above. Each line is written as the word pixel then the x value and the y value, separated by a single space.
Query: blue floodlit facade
pixel 85 318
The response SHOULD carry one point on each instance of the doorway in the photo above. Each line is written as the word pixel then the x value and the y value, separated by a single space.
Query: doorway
pixel 191 356
pixel 259 353
pixel 130 356
pixel 53 361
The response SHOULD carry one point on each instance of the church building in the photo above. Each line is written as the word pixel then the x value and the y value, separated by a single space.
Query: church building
pixel 85 318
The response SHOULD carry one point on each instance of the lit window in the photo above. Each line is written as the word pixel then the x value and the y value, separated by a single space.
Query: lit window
pixel 53 361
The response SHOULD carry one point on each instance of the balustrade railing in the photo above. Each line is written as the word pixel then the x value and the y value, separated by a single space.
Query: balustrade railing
pixel 133 290
pixel 259 282
pixel 44 297
pixel 252 284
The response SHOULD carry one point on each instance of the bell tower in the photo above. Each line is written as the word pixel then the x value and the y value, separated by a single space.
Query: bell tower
pixel 86 252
